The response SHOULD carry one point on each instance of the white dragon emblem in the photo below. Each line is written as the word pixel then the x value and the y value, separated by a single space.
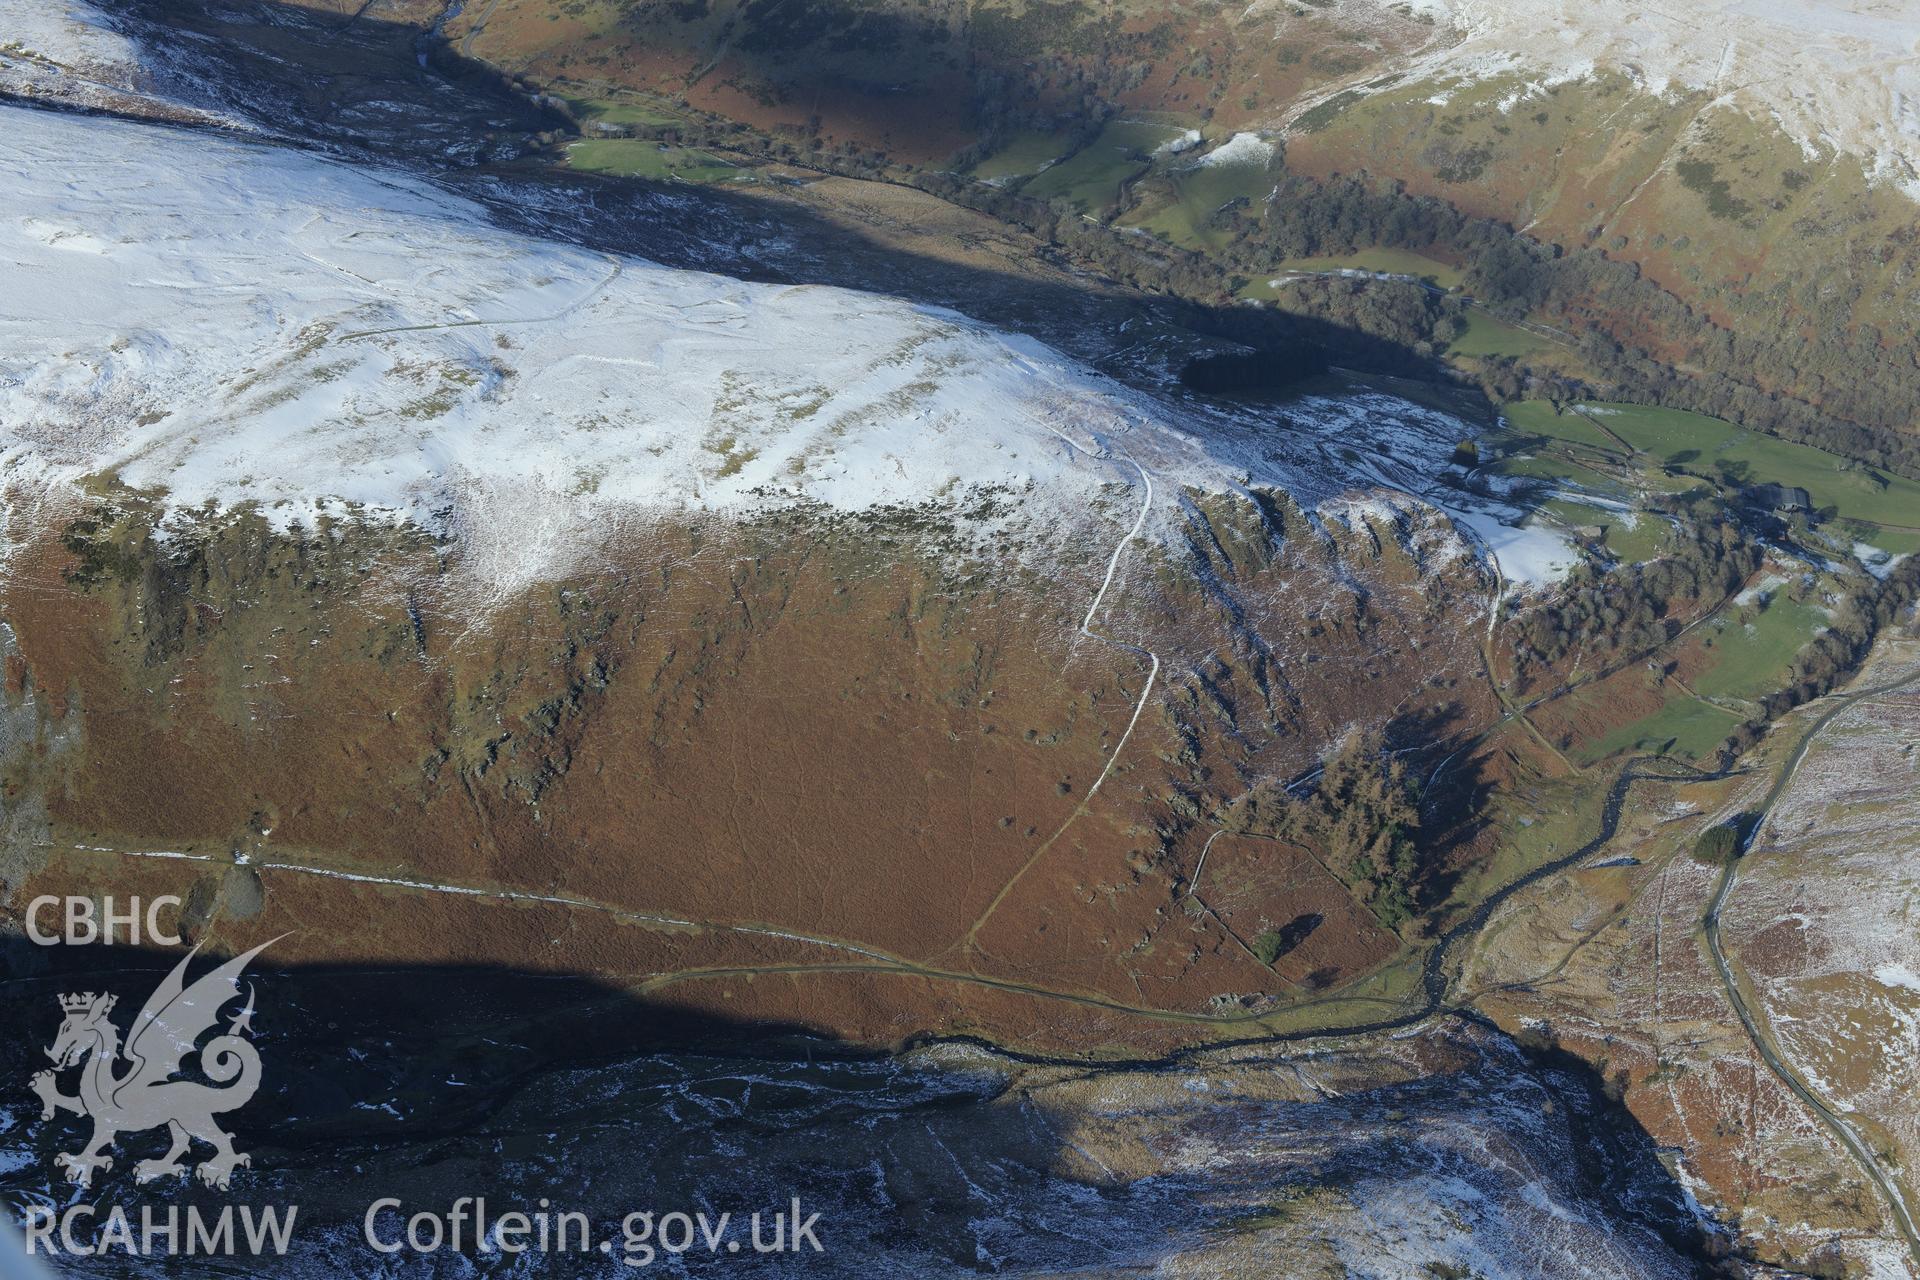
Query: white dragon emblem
pixel 146 1095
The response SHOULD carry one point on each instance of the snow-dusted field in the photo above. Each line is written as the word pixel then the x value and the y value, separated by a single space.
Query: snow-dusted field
pixel 241 324
pixel 232 324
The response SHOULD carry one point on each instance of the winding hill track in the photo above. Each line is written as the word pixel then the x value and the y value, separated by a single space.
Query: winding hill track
pixel 1103 453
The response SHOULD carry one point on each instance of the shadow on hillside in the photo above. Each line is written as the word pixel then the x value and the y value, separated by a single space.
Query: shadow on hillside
pixel 1450 789
pixel 427 1084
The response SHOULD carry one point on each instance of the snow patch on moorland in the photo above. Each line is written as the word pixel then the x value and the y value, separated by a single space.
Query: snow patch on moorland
pixel 237 325
pixel 1835 74
pixel 1241 148
pixel 1527 553
pixel 1187 141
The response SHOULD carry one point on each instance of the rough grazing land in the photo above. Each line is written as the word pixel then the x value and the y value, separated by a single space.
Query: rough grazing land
pixel 1611 962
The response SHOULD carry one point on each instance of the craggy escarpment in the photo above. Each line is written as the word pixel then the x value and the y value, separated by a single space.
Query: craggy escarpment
pixel 802 744
pixel 1315 646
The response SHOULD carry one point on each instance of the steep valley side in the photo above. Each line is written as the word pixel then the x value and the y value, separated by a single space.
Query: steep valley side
pixel 793 745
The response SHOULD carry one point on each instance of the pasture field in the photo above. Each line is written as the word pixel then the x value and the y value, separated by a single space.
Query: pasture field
pixel 644 158
pixel 1488 335
pixel 1751 659
pixel 1093 178
pixel 1714 449
pixel 1026 152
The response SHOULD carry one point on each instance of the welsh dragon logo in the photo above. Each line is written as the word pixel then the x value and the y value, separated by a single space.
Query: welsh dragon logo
pixel 146 1095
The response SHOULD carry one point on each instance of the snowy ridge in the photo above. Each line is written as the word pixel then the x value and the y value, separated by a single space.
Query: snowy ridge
pixel 236 325
pixel 64 35
pixel 69 51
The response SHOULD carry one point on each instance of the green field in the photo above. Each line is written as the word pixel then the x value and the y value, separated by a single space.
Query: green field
pixel 1539 824
pixel 1664 432
pixel 1091 179
pixel 1488 336
pixel 1899 542
pixel 1394 985
pixel 625 111
pixel 640 158
pixel 1751 659
pixel 1027 151
pixel 1197 193
pixel 1692 727
pixel 1537 418
pixel 1555 467
pixel 1860 492
pixel 1398 262
pixel 1633 538
pixel 1638 539
pixel 1719 450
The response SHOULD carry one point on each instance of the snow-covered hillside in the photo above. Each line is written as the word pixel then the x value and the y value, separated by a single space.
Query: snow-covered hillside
pixel 232 323
pixel 1837 75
